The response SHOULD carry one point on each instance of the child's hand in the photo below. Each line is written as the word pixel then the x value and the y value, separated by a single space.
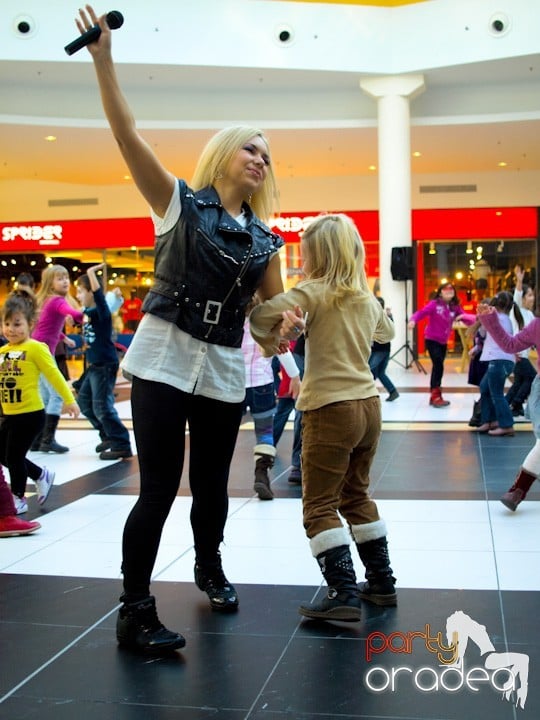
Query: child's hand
pixel 485 309
pixel 294 387
pixel 293 323
pixel 283 346
pixel 73 410
pixel 95 268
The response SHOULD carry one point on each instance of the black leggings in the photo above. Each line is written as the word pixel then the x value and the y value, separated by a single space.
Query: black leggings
pixel 160 413
pixel 17 433
pixel 437 353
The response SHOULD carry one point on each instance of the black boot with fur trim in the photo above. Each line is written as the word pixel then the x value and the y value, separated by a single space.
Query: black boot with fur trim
pixel 372 546
pixel 342 601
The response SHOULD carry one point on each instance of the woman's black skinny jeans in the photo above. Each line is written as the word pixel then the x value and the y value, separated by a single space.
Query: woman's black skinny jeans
pixel 160 413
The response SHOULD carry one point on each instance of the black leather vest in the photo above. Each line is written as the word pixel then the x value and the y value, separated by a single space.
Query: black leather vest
pixel 207 268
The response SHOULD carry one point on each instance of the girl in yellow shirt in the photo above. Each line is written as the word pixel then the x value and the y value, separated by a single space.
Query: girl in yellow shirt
pixel 22 361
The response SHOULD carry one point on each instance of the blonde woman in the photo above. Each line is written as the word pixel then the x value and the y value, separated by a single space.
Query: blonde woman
pixel 341 411
pixel 212 253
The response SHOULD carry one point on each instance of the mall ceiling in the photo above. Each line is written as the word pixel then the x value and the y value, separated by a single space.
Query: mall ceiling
pixel 341 141
pixel 470 118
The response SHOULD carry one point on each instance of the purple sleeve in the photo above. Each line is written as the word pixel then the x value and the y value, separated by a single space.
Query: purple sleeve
pixel 467 318
pixel 66 309
pixel 423 312
pixel 526 338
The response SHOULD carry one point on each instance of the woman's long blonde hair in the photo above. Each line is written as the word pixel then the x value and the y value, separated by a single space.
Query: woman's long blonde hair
pixel 218 153
pixel 336 257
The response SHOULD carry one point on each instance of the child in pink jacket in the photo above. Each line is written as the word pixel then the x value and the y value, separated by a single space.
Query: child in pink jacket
pixel 526 338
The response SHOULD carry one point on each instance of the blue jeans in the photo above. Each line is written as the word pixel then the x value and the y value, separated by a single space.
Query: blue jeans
pixel 284 407
pixel 524 374
pixel 378 362
pixel 493 402
pixel 296 456
pixel 96 400
pixel 51 399
pixel 261 401
pixel 534 406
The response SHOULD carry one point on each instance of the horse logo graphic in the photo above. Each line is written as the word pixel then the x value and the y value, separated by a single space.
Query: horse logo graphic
pixel 463 628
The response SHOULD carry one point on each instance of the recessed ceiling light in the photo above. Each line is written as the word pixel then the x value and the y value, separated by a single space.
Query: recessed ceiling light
pixel 417 154
pixel 372 167
pixel 50 138
pixel 502 164
pixel 127 177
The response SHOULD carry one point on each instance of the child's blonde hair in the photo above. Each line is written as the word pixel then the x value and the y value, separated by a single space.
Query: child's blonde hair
pixel 336 257
pixel 216 157
pixel 47 279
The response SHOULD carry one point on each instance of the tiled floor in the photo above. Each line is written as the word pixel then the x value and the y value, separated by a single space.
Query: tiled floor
pixel 453 546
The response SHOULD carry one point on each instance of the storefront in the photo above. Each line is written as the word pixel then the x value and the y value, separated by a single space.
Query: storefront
pixel 125 245
pixel 475 248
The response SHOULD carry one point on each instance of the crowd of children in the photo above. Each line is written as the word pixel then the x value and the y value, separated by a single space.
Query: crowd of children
pixel 35 388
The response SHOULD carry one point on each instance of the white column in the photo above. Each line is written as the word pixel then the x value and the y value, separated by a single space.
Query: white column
pixel 393 94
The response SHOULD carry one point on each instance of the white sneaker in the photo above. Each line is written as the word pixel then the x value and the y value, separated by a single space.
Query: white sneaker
pixel 21 506
pixel 44 484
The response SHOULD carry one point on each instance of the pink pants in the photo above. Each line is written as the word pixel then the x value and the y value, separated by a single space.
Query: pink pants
pixel 7 506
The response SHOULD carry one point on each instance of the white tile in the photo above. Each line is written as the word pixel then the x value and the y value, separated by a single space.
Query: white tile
pixel 16 549
pixel 441 569
pixel 264 533
pixel 80 460
pixel 279 566
pixel 76 559
pixel 278 509
pixel 513 538
pixel 445 536
pixel 433 510
pixel 519 570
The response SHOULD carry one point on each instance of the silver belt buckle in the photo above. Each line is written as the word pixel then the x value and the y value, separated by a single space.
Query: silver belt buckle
pixel 212 312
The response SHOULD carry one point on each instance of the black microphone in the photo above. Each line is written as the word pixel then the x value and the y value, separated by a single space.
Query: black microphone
pixel 115 19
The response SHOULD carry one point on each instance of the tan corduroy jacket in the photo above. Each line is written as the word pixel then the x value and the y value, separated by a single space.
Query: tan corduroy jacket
pixel 338 342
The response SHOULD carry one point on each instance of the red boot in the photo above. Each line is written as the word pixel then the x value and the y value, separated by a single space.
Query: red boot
pixel 437 399
pixel 10 525
pixel 518 491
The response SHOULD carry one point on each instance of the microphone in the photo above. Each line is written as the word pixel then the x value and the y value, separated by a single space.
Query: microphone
pixel 115 19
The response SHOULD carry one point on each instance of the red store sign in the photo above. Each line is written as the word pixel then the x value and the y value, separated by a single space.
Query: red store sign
pixel 75 235
pixel 436 224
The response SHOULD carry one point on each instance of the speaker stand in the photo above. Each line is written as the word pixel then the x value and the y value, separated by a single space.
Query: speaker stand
pixel 411 358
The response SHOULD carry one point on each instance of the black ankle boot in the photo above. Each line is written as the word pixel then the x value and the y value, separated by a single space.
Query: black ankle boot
pixel 342 601
pixel 379 587
pixel 211 579
pixel 48 441
pixel 265 455
pixel 138 628
pixel 36 443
